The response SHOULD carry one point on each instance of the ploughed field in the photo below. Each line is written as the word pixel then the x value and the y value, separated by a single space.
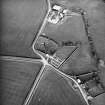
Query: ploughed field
pixel 48 63
pixel 16 80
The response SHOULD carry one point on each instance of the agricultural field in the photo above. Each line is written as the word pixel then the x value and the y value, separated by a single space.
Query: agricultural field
pixel 52 52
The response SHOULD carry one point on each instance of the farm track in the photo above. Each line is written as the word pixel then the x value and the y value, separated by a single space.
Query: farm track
pixel 45 68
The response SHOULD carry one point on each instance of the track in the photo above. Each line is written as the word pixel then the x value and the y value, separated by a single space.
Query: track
pixel 45 62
